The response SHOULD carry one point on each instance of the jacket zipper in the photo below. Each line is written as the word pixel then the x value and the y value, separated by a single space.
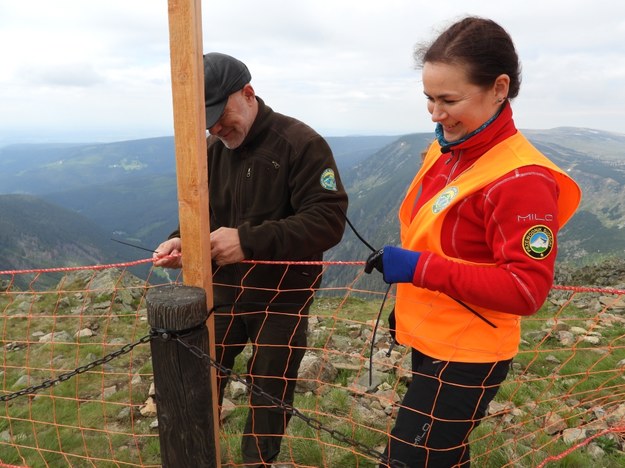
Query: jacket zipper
pixel 455 165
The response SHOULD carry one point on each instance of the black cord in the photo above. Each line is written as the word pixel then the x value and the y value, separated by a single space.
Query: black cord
pixel 135 246
pixel 356 232
pixel 375 329
pixel 475 312
pixel 377 321
pixel 470 309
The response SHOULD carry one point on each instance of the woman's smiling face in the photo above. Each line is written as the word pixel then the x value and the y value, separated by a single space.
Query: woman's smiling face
pixel 458 105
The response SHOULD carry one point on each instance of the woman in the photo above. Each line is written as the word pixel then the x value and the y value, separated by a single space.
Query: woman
pixel 478 231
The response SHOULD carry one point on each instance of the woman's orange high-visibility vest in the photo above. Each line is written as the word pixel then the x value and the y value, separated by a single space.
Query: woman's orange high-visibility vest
pixel 431 321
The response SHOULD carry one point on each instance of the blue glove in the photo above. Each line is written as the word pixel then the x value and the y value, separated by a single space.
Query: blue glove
pixel 396 264
pixel 399 264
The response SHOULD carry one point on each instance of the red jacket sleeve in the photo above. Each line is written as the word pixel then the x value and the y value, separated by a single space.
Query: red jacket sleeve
pixel 499 217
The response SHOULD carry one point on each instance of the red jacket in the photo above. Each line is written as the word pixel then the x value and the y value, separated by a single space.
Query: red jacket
pixel 488 227
pixel 485 218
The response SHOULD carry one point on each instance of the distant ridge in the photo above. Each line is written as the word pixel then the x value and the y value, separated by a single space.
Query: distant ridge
pixel 128 190
pixel 37 234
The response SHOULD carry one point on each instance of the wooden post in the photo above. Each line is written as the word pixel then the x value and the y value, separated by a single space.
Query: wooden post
pixel 182 380
pixel 187 77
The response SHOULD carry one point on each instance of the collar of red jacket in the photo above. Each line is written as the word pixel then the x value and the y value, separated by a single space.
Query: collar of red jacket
pixel 498 130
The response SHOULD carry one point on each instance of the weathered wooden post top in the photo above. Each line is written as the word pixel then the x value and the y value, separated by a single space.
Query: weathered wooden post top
pixel 182 380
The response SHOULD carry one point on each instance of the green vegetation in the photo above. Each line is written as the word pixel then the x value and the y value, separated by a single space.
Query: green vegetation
pixel 94 417
pixel 543 373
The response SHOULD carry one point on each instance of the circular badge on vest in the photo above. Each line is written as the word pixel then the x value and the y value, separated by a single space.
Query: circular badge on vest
pixel 328 180
pixel 538 242
pixel 444 199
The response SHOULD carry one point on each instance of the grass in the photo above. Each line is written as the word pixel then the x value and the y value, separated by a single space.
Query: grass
pixel 71 422
pixel 74 424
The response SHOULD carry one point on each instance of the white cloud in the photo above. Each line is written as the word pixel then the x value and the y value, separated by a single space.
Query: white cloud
pixel 100 69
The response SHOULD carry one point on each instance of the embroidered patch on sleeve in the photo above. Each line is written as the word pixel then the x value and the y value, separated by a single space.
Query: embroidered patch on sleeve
pixel 328 180
pixel 538 242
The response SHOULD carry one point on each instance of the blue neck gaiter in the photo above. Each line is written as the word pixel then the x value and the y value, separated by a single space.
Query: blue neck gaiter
pixel 446 146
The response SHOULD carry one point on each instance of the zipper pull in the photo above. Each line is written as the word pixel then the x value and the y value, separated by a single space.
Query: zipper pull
pixel 249 172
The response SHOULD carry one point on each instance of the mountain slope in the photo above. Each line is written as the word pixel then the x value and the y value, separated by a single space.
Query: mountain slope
pixel 377 185
pixel 37 234
pixel 51 168
pixel 138 202
pixel 142 210
pixel 127 188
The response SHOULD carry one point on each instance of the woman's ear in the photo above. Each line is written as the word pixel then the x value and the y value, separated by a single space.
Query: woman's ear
pixel 501 87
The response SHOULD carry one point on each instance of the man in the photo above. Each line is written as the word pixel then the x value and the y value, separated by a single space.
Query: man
pixel 275 194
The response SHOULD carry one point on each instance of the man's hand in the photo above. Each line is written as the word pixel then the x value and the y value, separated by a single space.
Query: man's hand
pixel 169 254
pixel 226 246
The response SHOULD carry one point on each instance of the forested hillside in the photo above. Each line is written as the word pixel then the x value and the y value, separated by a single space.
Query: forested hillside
pixel 37 234
pixel 127 190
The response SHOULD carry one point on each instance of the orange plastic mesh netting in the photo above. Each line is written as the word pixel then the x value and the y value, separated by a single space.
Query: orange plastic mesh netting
pixel 562 400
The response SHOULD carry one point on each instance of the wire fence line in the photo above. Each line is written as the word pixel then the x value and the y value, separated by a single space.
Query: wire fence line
pixel 71 352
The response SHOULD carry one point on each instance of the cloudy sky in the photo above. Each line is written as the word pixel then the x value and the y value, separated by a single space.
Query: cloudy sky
pixel 98 70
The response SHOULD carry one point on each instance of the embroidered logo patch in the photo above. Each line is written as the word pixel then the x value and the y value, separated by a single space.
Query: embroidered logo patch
pixel 328 180
pixel 538 242
pixel 444 199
